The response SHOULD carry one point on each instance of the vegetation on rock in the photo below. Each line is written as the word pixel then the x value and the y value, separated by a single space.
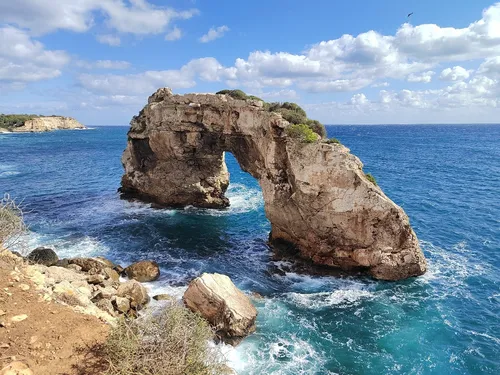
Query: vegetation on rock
pixel 173 342
pixel 14 121
pixel 333 140
pixel 302 132
pixel 291 112
pixel 371 178
pixel 11 222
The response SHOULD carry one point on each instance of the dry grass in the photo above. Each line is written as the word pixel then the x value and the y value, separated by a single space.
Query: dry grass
pixel 12 225
pixel 173 342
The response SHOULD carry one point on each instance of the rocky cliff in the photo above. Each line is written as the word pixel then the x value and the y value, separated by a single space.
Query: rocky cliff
pixel 316 195
pixel 43 124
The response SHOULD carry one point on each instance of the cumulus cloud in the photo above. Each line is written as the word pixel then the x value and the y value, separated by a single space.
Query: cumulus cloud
pixel 174 34
pixel 207 69
pixel 103 64
pixel 110 40
pixel 457 73
pixel 424 77
pixel 490 67
pixel 214 33
pixel 133 16
pixel 23 59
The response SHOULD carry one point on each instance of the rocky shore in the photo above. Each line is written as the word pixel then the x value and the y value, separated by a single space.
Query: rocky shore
pixel 94 293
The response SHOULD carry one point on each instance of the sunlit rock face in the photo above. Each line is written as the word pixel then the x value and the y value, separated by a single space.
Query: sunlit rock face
pixel 316 195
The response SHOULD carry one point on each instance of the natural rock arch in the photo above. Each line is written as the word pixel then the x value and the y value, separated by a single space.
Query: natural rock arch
pixel 316 195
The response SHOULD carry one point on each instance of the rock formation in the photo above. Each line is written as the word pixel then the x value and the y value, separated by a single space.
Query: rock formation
pixel 224 306
pixel 48 123
pixel 317 197
pixel 143 271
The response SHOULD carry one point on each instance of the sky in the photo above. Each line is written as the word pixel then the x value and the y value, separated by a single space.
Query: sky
pixel 345 62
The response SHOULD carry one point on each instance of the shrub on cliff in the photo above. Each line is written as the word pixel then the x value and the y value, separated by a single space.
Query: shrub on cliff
pixel 302 132
pixel 333 141
pixel 317 127
pixel 173 342
pixel 11 222
pixel 371 178
pixel 235 94
pixel 13 121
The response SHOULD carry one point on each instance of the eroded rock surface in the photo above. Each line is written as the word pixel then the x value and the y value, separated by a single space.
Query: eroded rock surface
pixel 316 195
pixel 48 123
pixel 225 307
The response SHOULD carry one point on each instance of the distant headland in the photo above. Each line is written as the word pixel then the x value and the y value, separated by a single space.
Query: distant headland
pixel 36 123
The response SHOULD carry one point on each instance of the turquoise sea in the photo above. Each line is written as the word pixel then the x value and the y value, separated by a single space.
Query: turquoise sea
pixel 446 177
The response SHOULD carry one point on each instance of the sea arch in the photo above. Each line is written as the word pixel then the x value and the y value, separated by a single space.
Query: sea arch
pixel 316 195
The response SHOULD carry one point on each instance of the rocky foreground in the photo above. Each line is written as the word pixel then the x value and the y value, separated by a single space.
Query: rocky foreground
pixel 320 203
pixel 55 313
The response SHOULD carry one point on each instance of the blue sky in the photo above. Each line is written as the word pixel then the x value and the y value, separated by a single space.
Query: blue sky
pixel 345 62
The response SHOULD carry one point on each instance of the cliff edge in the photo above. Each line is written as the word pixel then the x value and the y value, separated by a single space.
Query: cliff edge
pixel 27 123
pixel 316 195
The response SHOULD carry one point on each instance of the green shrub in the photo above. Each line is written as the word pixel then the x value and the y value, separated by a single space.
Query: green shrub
pixel 12 224
pixel 253 97
pixel 292 116
pixel 235 94
pixel 371 178
pixel 291 112
pixel 302 132
pixel 333 140
pixel 172 342
pixel 317 127
pixel 13 121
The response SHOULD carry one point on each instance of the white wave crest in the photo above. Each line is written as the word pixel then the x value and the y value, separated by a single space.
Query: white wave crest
pixel 327 299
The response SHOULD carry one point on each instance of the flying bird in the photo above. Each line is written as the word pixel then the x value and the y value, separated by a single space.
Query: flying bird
pixel 409 14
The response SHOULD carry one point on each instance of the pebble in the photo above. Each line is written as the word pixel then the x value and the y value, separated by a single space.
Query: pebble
pixel 19 318
pixel 24 287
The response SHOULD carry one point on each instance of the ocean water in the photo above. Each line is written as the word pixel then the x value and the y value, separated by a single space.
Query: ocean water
pixel 447 178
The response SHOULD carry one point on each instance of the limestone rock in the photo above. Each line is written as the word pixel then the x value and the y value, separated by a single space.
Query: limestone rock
pixel 225 307
pixel 48 123
pixel 43 255
pixel 135 292
pixel 122 304
pixel 18 318
pixel 16 368
pixel 143 271
pixel 316 195
pixel 163 297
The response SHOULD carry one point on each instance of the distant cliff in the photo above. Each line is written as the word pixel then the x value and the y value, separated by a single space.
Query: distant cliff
pixel 29 123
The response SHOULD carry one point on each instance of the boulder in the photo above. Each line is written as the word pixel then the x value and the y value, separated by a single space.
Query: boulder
pixel 43 255
pixel 163 297
pixel 135 292
pixel 16 368
pixel 89 265
pixel 143 271
pixel 224 306
pixel 122 304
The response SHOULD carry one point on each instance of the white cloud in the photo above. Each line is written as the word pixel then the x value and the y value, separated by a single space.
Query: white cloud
pixel 111 40
pixel 103 64
pixel 424 77
pixel 380 84
pixel 133 16
pixel 279 95
pixel 214 33
pixel 25 60
pixel 457 73
pixel 490 67
pixel 207 69
pixel 174 34
pixel 353 62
